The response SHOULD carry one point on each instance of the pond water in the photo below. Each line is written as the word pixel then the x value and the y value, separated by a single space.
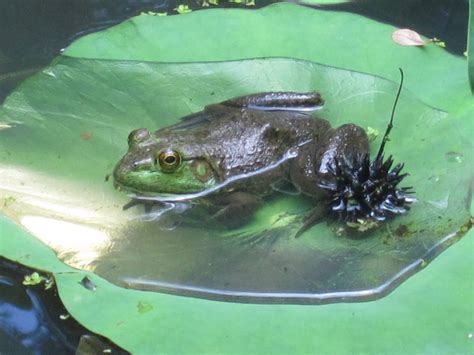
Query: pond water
pixel 34 321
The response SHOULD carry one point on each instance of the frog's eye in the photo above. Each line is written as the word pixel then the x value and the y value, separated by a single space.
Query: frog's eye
pixel 169 160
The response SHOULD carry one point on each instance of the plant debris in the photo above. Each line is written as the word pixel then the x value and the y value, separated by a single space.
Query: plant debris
pixel 407 37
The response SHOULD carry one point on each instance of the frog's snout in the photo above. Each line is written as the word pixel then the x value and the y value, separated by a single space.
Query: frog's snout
pixel 127 166
pixel 119 174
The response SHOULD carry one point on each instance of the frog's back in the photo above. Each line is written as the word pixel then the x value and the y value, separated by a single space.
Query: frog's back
pixel 248 141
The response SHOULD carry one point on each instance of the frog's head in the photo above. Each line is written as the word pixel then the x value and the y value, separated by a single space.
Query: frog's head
pixel 160 164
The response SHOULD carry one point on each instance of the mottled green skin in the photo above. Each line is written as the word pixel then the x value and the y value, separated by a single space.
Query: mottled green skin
pixel 225 140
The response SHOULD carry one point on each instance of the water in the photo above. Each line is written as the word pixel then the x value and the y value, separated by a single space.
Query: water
pixel 34 321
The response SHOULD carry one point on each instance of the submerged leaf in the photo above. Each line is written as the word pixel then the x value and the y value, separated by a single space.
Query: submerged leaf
pixel 157 95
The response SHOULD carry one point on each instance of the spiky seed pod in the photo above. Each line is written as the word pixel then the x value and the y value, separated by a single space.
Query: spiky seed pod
pixel 361 190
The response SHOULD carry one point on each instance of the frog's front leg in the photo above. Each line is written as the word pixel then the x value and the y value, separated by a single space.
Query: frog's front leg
pixel 235 209
pixel 279 101
pixel 136 201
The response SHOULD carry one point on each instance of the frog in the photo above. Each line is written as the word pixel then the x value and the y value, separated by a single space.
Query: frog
pixel 234 154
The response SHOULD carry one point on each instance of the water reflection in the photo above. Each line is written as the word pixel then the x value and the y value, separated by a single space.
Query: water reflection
pixel 33 320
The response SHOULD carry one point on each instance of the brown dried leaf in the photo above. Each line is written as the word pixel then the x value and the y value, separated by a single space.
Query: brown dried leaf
pixel 86 136
pixel 406 37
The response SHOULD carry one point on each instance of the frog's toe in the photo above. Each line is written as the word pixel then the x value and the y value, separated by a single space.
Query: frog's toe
pixel 314 216
pixel 147 204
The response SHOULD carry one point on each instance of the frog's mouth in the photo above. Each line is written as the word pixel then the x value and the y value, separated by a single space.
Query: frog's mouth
pixel 141 191
pixel 173 197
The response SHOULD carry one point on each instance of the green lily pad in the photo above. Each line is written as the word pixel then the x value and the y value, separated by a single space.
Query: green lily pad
pixel 70 139
pixel 54 175
pixel 338 39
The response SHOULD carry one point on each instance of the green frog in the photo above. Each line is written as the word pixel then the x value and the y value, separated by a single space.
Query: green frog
pixel 232 155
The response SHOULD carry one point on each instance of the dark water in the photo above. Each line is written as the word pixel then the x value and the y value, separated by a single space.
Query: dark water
pixel 30 319
pixel 443 19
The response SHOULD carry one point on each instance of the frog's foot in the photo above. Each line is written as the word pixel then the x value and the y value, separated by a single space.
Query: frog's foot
pixel 155 210
pixel 136 201
pixel 235 209
pixel 315 216
pixel 146 203
pixel 279 101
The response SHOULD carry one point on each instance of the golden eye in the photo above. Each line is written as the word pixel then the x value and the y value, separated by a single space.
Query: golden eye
pixel 169 160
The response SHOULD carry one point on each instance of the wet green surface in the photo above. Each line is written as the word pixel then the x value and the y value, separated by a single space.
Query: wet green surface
pixel 431 312
pixel 333 38
pixel 55 171
pixel 70 122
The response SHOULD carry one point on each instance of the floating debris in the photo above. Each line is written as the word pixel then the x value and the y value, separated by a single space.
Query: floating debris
pixel 407 37
pixel 182 9
pixel 87 283
pixel 372 133
pixel 33 279
pixel 86 136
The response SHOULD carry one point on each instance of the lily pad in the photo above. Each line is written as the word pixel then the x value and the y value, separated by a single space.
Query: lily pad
pixel 56 178
pixel 51 191
pixel 338 39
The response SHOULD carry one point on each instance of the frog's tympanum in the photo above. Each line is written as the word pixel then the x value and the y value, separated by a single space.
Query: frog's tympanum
pixel 233 154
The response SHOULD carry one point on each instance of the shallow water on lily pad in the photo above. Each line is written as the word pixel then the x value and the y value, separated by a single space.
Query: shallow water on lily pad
pixel 66 127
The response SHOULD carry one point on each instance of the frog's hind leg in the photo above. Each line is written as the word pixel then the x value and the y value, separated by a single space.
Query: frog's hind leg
pixel 279 101
pixel 235 209
pixel 343 144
